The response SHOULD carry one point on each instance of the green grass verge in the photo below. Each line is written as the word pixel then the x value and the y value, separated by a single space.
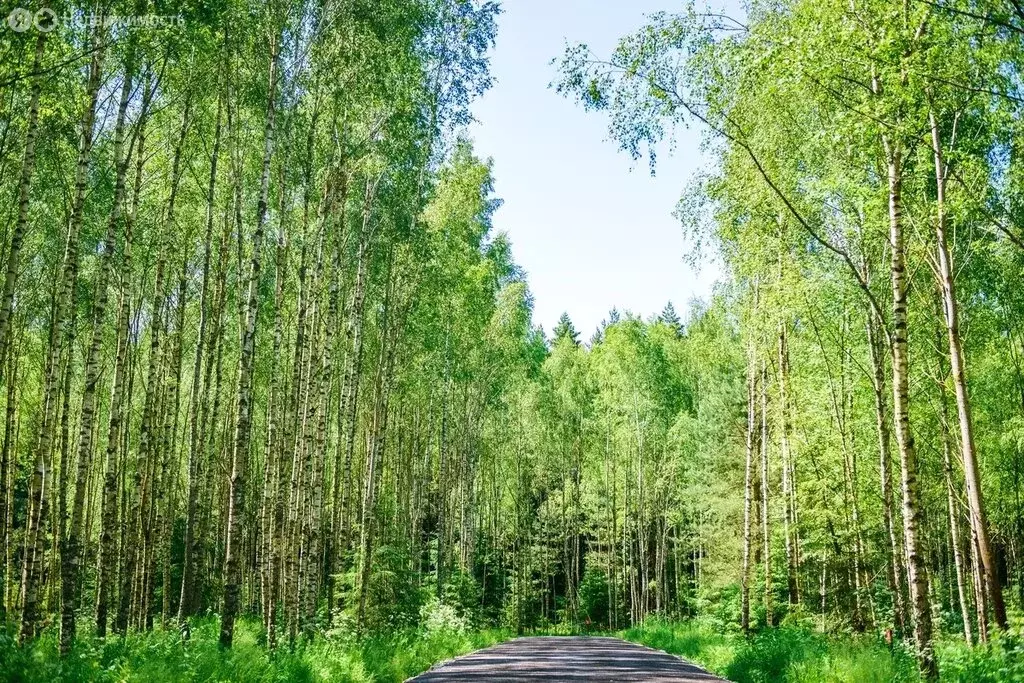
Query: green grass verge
pixel 788 654
pixel 160 656
pixel 800 655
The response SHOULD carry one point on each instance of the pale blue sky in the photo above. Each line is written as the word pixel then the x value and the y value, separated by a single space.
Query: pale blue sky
pixel 591 228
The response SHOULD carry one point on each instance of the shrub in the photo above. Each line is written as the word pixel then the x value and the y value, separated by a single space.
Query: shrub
pixel 438 617
pixel 772 653
pixel 593 598
pixel 1000 661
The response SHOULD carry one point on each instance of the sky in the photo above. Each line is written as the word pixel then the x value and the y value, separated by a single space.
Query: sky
pixel 591 228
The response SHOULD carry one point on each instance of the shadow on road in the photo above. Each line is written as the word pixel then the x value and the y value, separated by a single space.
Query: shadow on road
pixel 567 659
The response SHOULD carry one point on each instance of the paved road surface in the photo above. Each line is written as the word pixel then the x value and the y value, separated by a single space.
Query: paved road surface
pixel 553 659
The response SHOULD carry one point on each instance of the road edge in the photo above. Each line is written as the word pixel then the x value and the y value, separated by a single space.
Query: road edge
pixel 690 662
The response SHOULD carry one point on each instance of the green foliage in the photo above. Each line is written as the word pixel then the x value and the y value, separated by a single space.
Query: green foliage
pixel 1000 660
pixel 439 617
pixel 160 656
pixel 697 641
pixel 784 654
pixel 461 594
pixel 843 180
pixel 418 461
pixel 594 600
pixel 394 598
pixel 796 654
pixel 772 654
pixel 565 330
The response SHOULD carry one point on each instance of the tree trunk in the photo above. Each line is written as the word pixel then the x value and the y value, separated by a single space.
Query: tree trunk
pixel 748 487
pixel 7 468
pixel 958 363
pixel 350 396
pixel 196 436
pixel 270 549
pixel 912 517
pixel 894 569
pixel 788 480
pixel 108 554
pixel 765 530
pixel 28 167
pixel 236 497
pixel 954 514
pixel 61 338
pixel 72 550
pixel 138 524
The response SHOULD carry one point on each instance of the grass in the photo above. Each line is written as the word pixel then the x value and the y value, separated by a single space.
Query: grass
pixel 793 654
pixel 790 654
pixel 161 656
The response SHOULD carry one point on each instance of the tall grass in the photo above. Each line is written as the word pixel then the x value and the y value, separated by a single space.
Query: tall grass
pixel 794 654
pixel 160 656
pixel 790 654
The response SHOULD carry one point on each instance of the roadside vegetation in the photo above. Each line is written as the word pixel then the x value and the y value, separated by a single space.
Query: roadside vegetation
pixel 161 656
pixel 795 652
pixel 799 653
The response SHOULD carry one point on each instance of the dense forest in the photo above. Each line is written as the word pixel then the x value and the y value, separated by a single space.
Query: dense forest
pixel 265 362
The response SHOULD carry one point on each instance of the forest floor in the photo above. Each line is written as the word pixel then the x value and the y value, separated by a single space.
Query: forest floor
pixel 587 659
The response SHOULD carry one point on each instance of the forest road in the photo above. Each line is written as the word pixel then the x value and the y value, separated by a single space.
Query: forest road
pixel 565 659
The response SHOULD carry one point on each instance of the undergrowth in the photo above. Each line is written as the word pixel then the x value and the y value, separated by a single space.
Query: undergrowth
pixel 160 656
pixel 794 654
pixel 788 654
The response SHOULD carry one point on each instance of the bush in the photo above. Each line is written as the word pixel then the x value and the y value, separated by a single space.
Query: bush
pixel 438 617
pixel 593 597
pixel 1000 661
pixel 463 592
pixel 772 653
